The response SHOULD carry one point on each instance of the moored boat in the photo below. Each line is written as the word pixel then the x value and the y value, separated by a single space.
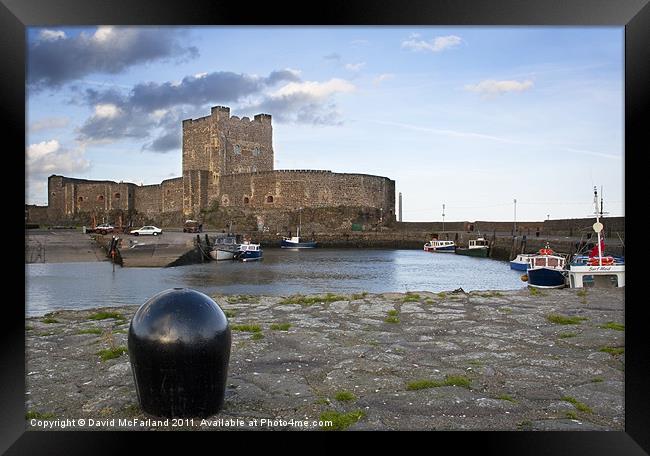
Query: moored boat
pixel 520 263
pixel 294 242
pixel 546 269
pixel 437 245
pixel 476 247
pixel 248 252
pixel 225 247
pixel 597 269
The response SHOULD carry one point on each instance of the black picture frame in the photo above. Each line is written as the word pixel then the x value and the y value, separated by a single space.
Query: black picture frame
pixel 634 15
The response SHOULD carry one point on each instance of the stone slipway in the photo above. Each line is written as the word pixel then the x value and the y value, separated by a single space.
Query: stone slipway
pixel 524 371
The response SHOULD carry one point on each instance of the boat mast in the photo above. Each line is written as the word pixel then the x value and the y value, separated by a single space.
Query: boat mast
pixel 299 221
pixel 600 252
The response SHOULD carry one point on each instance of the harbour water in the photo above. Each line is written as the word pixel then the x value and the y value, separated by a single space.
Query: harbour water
pixel 54 286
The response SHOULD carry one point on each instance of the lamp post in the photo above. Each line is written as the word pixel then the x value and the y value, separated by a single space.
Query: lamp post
pixel 443 218
pixel 515 232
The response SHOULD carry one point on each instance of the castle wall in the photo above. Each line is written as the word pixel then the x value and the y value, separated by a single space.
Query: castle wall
pixel 172 195
pixel 148 201
pixel 296 188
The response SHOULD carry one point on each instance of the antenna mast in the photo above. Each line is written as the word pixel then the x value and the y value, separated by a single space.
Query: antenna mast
pixel 598 214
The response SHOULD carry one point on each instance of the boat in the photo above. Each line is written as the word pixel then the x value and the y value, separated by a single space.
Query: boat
pixel 597 269
pixel 294 242
pixel 520 263
pixel 546 269
pixel 225 247
pixel 477 248
pixel 436 245
pixel 248 252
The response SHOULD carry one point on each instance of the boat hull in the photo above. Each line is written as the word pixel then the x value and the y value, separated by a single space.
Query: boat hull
pixel 222 255
pixel 517 266
pixel 546 278
pixel 250 255
pixel 446 249
pixel 297 245
pixel 480 253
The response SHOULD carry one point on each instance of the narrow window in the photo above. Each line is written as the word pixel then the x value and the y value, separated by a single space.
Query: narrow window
pixel 246 200
pixel 256 151
pixel 237 149
pixel 81 198
pixel 117 196
pixel 269 199
pixel 100 197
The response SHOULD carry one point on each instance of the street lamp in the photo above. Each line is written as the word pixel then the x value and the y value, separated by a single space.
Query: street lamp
pixel 515 200
pixel 443 218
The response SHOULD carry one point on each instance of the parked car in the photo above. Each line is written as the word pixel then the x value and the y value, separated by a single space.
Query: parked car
pixel 148 229
pixel 104 228
pixel 192 226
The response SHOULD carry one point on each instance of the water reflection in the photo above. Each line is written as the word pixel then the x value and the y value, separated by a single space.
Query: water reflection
pixel 281 272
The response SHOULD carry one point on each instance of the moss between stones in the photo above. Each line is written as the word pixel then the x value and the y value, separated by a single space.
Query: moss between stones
pixel 49 320
pixel 613 350
pixel 229 313
pixel 309 300
pixel 356 296
pixel 411 297
pixel 450 380
pixel 257 336
pixel 106 315
pixel 613 325
pixel 246 328
pixel 566 335
pixel 340 421
pixel 564 320
pixel 281 326
pixel 506 397
pixel 391 319
pixel 38 415
pixel 344 396
pixel 111 353
pixel 242 299
pixel 577 404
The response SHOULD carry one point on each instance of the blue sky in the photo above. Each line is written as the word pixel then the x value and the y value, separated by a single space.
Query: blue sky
pixel 469 117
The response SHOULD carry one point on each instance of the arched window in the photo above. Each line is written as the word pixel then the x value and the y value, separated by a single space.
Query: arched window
pixel 269 199
pixel 246 200
pixel 256 151
pixel 80 199
pixel 237 149
pixel 100 197
pixel 117 196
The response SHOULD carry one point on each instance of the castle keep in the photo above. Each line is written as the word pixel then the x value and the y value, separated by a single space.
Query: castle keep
pixel 228 173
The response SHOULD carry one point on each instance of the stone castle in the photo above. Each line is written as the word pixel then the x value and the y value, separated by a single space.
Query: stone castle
pixel 227 174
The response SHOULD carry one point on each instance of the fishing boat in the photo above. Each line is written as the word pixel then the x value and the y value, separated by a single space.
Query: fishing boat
pixel 597 269
pixel 436 245
pixel 520 263
pixel 225 247
pixel 294 242
pixel 477 248
pixel 546 269
pixel 248 252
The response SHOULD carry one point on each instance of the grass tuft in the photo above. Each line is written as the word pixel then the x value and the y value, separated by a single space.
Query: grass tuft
pixel 106 315
pixel 597 380
pixel 450 380
pixel 566 335
pixel 506 397
pixel 572 415
pixel 229 313
pixel 257 336
pixel 238 299
pixel 577 404
pixel 309 300
pixel 393 313
pixel 564 320
pixel 391 319
pixel 411 297
pixel 246 328
pixel 356 296
pixel 340 421
pixel 281 326
pixel 49 320
pixel 613 350
pixel 111 353
pixel 38 415
pixel 613 325
pixel 345 396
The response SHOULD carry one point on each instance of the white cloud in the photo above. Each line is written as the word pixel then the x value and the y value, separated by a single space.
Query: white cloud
pixel 315 89
pixel 492 87
pixel 200 75
pixel 383 77
pixel 48 157
pixel 437 44
pixel 48 123
pixel 106 111
pixel 354 66
pixel 103 33
pixel 158 114
pixel 51 35
pixel 359 42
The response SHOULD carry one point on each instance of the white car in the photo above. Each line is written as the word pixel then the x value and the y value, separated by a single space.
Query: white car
pixel 149 229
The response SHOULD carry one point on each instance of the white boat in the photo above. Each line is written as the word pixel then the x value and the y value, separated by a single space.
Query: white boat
pixel 294 242
pixel 248 252
pixel 598 269
pixel 546 269
pixel 437 245
pixel 225 248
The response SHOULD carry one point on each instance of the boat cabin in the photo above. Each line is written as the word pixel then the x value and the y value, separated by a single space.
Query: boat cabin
pixel 546 261
pixel 479 243
pixel 249 247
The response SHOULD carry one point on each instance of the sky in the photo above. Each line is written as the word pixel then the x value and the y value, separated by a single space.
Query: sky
pixel 469 117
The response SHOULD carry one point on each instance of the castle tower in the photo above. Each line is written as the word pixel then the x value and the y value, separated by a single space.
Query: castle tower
pixel 218 145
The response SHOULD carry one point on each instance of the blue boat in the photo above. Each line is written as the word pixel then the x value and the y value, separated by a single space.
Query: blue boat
pixel 520 263
pixel 546 270
pixel 248 252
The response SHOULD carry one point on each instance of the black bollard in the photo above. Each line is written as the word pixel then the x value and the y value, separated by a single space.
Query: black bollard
pixel 179 348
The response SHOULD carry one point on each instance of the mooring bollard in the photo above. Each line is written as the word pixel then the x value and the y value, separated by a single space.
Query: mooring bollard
pixel 179 348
